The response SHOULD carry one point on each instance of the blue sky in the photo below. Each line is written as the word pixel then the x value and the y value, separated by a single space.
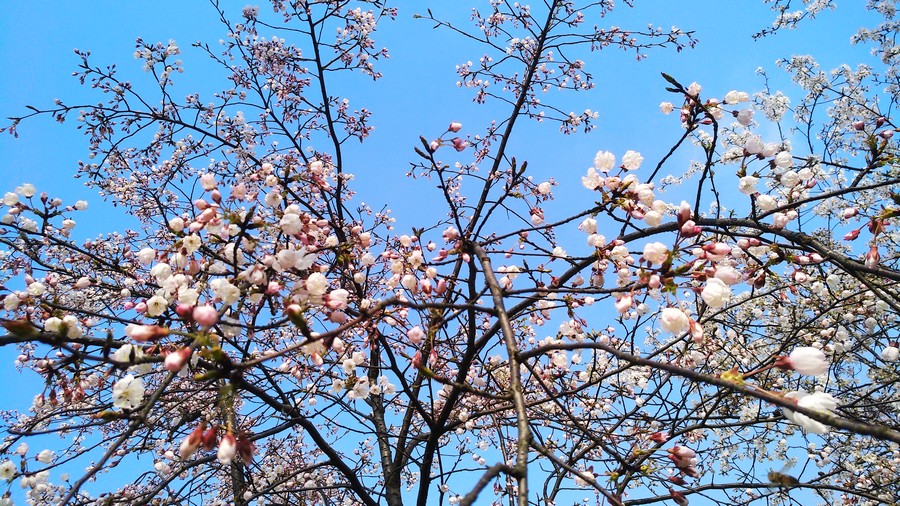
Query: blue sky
pixel 417 96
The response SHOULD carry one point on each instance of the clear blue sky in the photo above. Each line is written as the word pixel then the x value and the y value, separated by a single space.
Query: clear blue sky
pixel 417 96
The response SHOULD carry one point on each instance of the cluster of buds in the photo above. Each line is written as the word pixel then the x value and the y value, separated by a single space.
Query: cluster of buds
pixel 860 125
pixel 458 143
pixel 208 438
pixel 205 316
pixel 685 221
pixel 684 459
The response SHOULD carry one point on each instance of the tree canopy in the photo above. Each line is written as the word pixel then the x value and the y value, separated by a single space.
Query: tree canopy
pixel 265 334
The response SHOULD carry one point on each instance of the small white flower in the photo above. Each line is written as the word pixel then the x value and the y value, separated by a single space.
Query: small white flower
pixel 46 456
pixel 745 117
pixel 736 97
pixel 656 252
pixel 316 284
pixel 747 185
pixel 128 392
pixel 631 160
pixel 808 360
pixel 36 288
pixel 52 324
pixel 592 180
pixel 291 224
pixel 890 353
pixel 361 389
pixel 783 159
pixel 161 271
pixel 225 291
pixel 674 321
pixel 766 202
pixel 716 293
pixel 191 243
pixel 176 224
pixel 7 470
pixel 156 305
pixel 816 400
pixel 694 89
pixel 604 161
pixel 26 190
pixel 790 179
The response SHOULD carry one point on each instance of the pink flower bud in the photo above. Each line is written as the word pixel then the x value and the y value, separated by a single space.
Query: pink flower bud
pixel 144 333
pixel 454 127
pixel 684 212
pixel 872 258
pixel 681 456
pixel 190 444
pixel 183 310
pixel 209 438
pixel 175 360
pixel 696 331
pixel 717 249
pixel 690 229
pixel 459 144
pixel 207 215
pixel 206 316
pixel 624 304
pixel 450 234
pixel 859 125
pixel 850 212
pixel 415 335
pixel 201 204
pixel 245 447
pixel 659 437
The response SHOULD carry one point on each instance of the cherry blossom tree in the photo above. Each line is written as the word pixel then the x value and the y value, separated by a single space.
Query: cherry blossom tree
pixel 265 337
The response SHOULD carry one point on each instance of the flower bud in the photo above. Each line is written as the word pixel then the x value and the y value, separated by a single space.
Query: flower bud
pixel 227 449
pixel 175 360
pixel 209 438
pixel 190 444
